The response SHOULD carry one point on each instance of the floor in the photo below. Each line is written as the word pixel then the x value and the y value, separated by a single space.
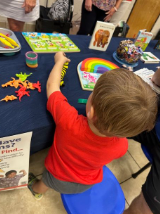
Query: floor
pixel 22 202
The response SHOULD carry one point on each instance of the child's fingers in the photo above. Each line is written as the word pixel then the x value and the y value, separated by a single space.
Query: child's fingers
pixel 68 60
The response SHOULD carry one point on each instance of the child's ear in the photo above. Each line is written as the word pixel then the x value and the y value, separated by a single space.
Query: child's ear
pixel 90 114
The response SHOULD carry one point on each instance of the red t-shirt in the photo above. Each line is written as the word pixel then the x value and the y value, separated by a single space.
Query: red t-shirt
pixel 77 154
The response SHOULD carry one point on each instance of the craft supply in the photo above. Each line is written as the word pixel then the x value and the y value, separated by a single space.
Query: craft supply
pixel 31 59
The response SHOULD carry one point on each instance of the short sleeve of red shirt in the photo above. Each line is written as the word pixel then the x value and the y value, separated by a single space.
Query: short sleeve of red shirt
pixel 62 112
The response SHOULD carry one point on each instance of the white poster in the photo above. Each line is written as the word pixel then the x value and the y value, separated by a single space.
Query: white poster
pixel 14 161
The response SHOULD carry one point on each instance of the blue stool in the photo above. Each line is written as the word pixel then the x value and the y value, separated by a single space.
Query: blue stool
pixel 149 157
pixel 103 198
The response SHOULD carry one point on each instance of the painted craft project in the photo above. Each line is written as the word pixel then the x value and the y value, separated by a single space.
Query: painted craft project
pixel 90 69
pixel 49 42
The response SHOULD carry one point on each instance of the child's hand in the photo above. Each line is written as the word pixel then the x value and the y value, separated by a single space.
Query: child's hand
pixel 23 171
pixel 61 57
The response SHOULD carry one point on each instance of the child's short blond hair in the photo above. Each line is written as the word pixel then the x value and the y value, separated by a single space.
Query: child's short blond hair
pixel 124 104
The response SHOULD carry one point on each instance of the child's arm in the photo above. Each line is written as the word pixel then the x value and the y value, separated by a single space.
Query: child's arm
pixel 53 83
pixel 24 172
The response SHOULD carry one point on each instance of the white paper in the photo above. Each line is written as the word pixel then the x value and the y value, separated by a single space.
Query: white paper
pixel 146 75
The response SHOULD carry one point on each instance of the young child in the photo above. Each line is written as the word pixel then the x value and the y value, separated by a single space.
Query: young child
pixel 11 179
pixel 121 105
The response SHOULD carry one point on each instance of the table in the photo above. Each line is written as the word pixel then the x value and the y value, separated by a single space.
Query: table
pixel 30 114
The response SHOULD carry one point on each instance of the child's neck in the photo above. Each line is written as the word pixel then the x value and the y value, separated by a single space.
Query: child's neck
pixel 94 130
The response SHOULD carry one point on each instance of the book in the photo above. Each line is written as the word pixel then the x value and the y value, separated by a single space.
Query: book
pixel 87 79
pixel 146 75
pixel 102 35
pixel 143 38
pixel 14 161
pixel 49 42
pixel 148 57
